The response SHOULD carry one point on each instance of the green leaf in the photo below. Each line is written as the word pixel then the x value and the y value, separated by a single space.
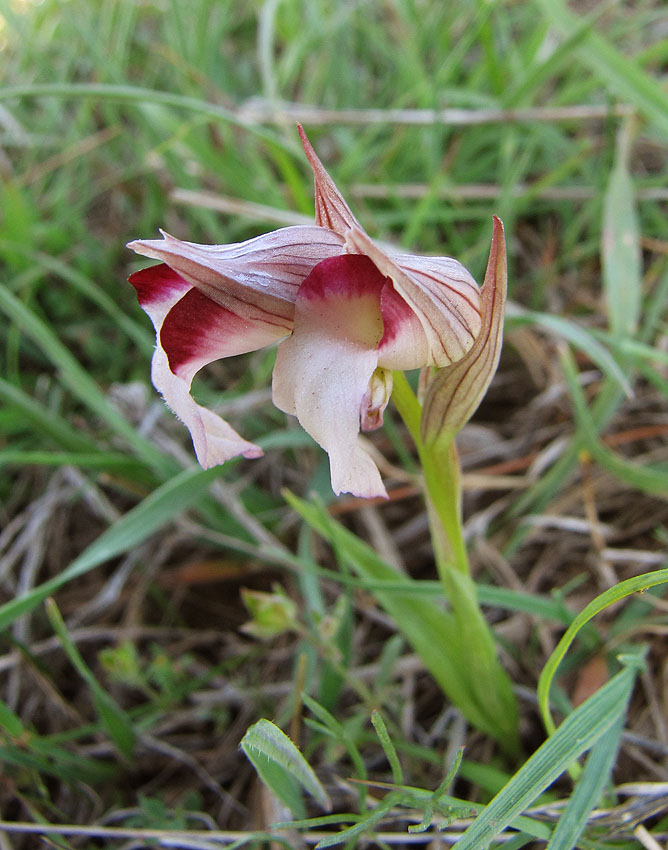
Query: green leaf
pixel 435 634
pixel 577 734
pixel 580 337
pixel 589 788
pixel 621 74
pixel 79 382
pixel 608 597
pixel 132 529
pixel 10 723
pixel 620 250
pixel 651 480
pixel 112 717
pixel 275 756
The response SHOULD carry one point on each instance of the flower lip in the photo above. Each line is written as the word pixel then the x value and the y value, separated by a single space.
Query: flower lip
pixel 324 369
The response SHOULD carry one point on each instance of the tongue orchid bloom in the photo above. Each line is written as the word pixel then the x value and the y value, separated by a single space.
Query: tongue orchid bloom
pixel 347 312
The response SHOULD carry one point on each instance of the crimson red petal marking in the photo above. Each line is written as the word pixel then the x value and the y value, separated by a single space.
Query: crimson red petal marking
pixel 157 283
pixel 197 331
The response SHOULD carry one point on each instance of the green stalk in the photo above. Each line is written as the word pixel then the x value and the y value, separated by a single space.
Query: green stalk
pixel 440 467
pixel 475 650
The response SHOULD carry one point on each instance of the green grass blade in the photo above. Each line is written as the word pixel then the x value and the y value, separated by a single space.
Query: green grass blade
pixel 387 745
pixel 620 591
pixel 47 421
pixel 132 529
pixel 646 478
pixel 433 633
pixel 577 734
pixel 619 73
pixel 140 95
pixel 337 731
pixel 113 719
pixel 83 284
pixel 620 250
pixel 86 460
pixel 581 338
pixel 588 790
pixel 77 379
pixel 266 739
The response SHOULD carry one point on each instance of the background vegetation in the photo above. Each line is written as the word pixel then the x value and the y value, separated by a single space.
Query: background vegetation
pixel 127 678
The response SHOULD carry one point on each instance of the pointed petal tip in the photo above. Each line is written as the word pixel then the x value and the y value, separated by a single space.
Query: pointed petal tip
pixel 308 147
pixel 498 232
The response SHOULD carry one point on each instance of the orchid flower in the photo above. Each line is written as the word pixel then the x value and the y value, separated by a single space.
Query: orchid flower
pixel 346 311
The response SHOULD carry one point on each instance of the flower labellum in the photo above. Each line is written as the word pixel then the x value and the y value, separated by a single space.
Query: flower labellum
pixel 345 313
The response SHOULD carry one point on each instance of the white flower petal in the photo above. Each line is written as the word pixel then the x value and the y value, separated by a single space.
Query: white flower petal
pixel 323 370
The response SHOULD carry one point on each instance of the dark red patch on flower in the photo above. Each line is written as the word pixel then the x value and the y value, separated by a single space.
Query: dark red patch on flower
pixel 348 275
pixel 192 330
pixel 396 313
pixel 156 284
pixel 197 331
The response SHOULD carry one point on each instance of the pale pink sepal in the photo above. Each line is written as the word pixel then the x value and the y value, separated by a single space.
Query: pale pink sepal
pixel 256 279
pixel 331 210
pixel 323 370
pixel 455 392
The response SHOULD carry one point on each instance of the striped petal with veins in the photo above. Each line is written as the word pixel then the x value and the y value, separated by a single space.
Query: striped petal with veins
pixel 347 310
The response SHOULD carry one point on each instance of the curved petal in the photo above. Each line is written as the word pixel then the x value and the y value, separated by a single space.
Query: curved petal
pixel 324 369
pixel 331 210
pixel 191 331
pixel 440 292
pixel 404 344
pixel 256 279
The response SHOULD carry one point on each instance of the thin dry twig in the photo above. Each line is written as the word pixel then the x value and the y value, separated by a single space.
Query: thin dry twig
pixel 261 112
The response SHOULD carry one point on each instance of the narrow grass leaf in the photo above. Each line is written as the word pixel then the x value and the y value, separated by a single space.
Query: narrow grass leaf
pixel 646 478
pixel 57 762
pixel 364 825
pixel 637 584
pixel 265 738
pixel 83 284
pixel 581 338
pixel 620 249
pixel 577 734
pixel 140 95
pixel 387 745
pixel 47 421
pixel 432 632
pixel 589 788
pixel 132 529
pixel 11 724
pixel 116 722
pixel 621 74
pixel 79 382
pixel 85 460
pixel 331 726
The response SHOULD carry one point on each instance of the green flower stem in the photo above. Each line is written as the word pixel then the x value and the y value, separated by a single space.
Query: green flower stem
pixel 440 466
pixel 488 683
